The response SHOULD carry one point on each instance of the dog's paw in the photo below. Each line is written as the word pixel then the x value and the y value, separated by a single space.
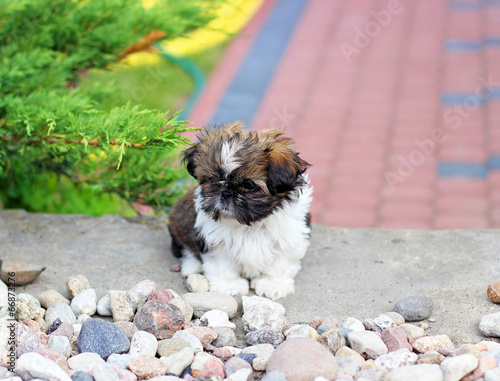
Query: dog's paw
pixel 273 287
pixel 238 286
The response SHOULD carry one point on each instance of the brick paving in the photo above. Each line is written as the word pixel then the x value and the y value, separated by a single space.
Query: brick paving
pixel 395 103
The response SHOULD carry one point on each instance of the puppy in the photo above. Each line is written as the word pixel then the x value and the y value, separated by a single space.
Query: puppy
pixel 249 216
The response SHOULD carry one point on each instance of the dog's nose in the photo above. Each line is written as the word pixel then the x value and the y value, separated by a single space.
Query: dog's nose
pixel 226 194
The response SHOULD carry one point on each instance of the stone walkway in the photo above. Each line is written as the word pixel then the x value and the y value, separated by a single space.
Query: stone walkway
pixel 395 103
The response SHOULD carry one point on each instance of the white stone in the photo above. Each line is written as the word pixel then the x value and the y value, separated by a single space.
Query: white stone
pixel 216 318
pixel 263 352
pixel 354 324
pixel 192 340
pixel 240 375
pixel 138 295
pixel 85 303
pixel 104 372
pixel 454 368
pixel 62 311
pixel 120 306
pixel 177 362
pixel 491 345
pixel 397 359
pixel 367 343
pixel 197 283
pixel 76 329
pixel 120 360
pixel 60 344
pixel 490 325
pixel 301 330
pixel 33 365
pixel 419 372
pixel 382 322
pixel 143 343
pixel 262 313
pixel 414 332
pixel 492 375
pixel 104 306
pixel 82 319
pixel 84 361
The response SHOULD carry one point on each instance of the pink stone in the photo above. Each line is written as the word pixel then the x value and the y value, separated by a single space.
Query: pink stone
pixel 27 339
pixel 163 296
pixel 65 329
pixel 123 374
pixel 206 365
pixel 222 353
pixel 204 334
pixel 316 322
pixel 55 356
pixel 396 338
pixel 160 319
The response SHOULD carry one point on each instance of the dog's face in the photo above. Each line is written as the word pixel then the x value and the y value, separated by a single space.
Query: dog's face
pixel 243 174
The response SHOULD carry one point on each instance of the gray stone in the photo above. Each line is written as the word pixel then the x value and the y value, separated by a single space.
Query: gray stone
pixel 203 302
pixel 84 303
pixel 178 361
pixel 420 372
pixel 368 344
pixel 120 306
pixel 27 307
pixel 432 343
pixel 60 344
pixel 414 308
pixel 264 336
pixel 490 325
pixel 138 295
pixel 261 313
pixel 397 359
pixel 49 297
pixel 77 283
pixel 104 306
pixel 81 376
pixel 225 337
pixel 197 283
pixel 454 368
pixel 33 365
pixel 168 347
pixel 60 311
pixel 302 359
pixel 102 337
pixel 143 343
pixel 275 375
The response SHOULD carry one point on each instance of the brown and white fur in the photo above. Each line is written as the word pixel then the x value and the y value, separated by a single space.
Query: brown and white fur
pixel 249 216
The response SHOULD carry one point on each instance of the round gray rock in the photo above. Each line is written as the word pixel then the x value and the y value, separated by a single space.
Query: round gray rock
pixel 414 308
pixel 102 337
pixel 203 302
pixel 302 359
pixel 490 325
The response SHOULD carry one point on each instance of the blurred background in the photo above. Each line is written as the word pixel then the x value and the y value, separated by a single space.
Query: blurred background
pixel 396 104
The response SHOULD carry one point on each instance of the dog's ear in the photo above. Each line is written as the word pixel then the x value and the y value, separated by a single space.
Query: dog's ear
pixel 285 167
pixel 188 158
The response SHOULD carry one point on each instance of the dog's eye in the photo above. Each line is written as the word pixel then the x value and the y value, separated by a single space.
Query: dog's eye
pixel 249 186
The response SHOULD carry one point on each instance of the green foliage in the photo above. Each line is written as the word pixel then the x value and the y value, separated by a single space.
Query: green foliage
pixel 51 128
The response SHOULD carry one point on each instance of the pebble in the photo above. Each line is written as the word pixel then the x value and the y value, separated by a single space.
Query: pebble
pixel 49 297
pixel 178 361
pixel 225 353
pixel 432 343
pixel 82 318
pixel 396 318
pixel 60 344
pixel 119 305
pixel 454 368
pixel 85 303
pixel 25 272
pixel 159 319
pixel 263 352
pixel 274 376
pixel 206 365
pixel 347 352
pixel 382 322
pixel 485 363
pixel 27 339
pixel 104 306
pixel 27 307
pixel 467 349
pixel 414 308
pixel 261 313
pixel 184 307
pixel 234 364
pixel 143 343
pixel 419 372
pixel 316 322
pixel 64 329
pixel 84 361
pixel 163 296
pixel 302 359
pixel 168 347
pixel 203 302
pixel 197 283
pixel 396 359
pixel 139 294
pixel 414 332
pixel 333 339
pixel 102 337
pixel 204 334
pixel 493 292
pixel 61 311
pixel 145 367
pixel 33 365
pixel 120 360
pixel 127 327
pixel 77 283
pixel 347 367
pixel 301 330
pixel 430 357
pixel 104 372
pixel 490 325
pixel 192 340
pixel 354 324
pixel 225 337
pixel 240 375
pixel 396 338
pixel 264 336
pixel 368 344
pixel 81 376
pixel 216 318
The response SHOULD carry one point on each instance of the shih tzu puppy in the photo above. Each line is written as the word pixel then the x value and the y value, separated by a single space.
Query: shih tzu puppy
pixel 248 219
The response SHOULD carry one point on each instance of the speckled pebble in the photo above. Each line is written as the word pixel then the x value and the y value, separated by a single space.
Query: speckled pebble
pixel 396 359
pixel 77 283
pixel 160 319
pixel 168 347
pixel 197 283
pixel 434 343
pixel 490 325
pixel 414 308
pixel 382 322
pixel 143 343
pixel 493 292
pixel 264 336
pixel 261 313
pixel 120 306
pixel 102 337
pixel 27 307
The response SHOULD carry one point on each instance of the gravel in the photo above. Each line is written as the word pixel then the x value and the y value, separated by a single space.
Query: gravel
pixel 164 343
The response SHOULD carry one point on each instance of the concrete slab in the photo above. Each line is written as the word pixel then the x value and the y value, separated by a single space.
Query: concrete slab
pixel 347 272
